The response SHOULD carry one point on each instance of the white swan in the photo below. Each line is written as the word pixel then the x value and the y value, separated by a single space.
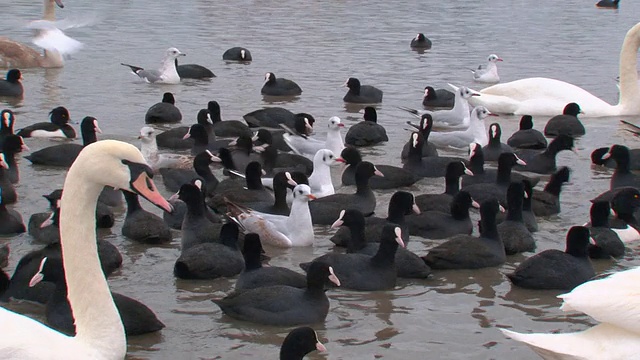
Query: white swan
pixel 489 72
pixel 49 37
pixel 544 96
pixel 614 302
pixel 100 333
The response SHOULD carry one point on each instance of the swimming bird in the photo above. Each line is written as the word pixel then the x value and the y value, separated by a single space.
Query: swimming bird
pixel 470 252
pixel 164 112
pixel 442 202
pixel 277 230
pixel 496 189
pixel 12 146
pixel 193 71
pixel 309 146
pixel 299 342
pixel 528 216
pixel 237 54
pixel 547 202
pixel 401 204
pixel 513 231
pixel 622 176
pixel 545 96
pixel 137 318
pixel 431 166
pixel 10 224
pixel 320 179
pixel 367 132
pixel 12 85
pixel 358 271
pixel 50 37
pixel 211 260
pixel 64 155
pixel 436 224
pixel 142 226
pixel 421 42
pixel 107 162
pixel 197 227
pixel 489 72
pixel 326 209
pixel 9 194
pixel 556 269
pixel 166 74
pixel 361 94
pixel 598 154
pixel 255 275
pixel 441 98
pixel 7 120
pixel 608 4
pixel 174 138
pixel 527 137
pixel 394 177
pixel 282 305
pixel 494 148
pixel 408 264
pixel 279 86
pixel 607 241
pixel 475 133
pixel 227 128
pixel 456 118
pixel 567 123
pixel 156 160
pixel 425 127
pixel 545 162
pixel 57 127
pixel 616 335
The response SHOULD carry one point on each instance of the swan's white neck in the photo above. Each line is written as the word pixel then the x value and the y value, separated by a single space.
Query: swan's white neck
pixel 51 59
pixel 629 92
pixel 97 319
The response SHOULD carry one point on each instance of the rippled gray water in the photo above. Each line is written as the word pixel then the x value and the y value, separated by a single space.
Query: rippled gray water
pixel 453 315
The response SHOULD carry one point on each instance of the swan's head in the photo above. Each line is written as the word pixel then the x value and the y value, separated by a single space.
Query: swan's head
pixel 58 2
pixel 493 58
pixel 120 165
pixel 173 53
pixel 147 133
pixel 335 123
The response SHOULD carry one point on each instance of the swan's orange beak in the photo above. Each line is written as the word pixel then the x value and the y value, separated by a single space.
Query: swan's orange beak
pixel 145 187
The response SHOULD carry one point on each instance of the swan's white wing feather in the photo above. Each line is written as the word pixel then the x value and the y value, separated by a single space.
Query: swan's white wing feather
pixel 55 40
pixel 601 342
pixel 610 300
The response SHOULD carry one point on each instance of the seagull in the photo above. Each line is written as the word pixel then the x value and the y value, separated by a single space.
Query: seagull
pixel 167 74
pixel 456 118
pixel 489 72
pixel 309 146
